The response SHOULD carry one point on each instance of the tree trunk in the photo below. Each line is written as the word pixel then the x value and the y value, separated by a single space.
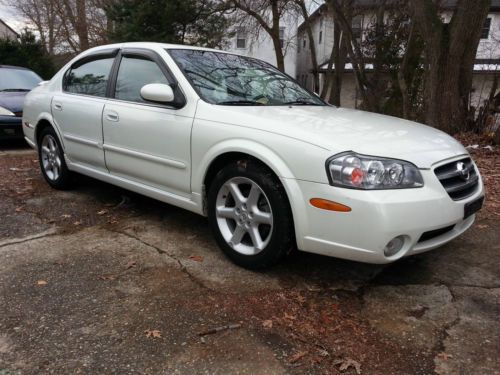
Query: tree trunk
pixel 275 36
pixel 450 51
pixel 312 45
pixel 81 25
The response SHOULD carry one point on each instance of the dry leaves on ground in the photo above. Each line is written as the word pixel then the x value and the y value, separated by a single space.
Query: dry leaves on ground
pixel 154 333
pixel 267 323
pixel 196 258
pixel 347 363
pixel 41 282
pixel 297 356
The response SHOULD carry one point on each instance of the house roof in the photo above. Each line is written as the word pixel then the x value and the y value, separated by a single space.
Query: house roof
pixel 447 4
pixel 8 27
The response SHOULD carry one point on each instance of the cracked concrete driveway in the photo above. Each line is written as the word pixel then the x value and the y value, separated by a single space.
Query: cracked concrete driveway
pixel 100 280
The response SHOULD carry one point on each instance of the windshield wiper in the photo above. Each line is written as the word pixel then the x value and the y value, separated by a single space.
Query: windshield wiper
pixel 240 102
pixel 5 90
pixel 301 102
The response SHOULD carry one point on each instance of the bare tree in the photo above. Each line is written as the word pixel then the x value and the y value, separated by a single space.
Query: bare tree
pixel 65 25
pixel 304 12
pixel 268 15
pixel 336 64
pixel 343 19
pixel 43 18
pixel 450 51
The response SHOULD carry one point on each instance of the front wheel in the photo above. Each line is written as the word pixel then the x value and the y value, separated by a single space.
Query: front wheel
pixel 250 215
pixel 52 162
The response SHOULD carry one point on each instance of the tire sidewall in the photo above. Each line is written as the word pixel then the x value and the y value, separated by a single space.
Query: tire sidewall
pixel 282 223
pixel 63 181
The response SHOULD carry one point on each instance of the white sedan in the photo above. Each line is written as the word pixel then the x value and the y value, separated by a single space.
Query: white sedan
pixel 272 166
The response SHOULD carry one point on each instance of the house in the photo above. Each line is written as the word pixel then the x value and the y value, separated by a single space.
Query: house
pixel 487 59
pixel 247 41
pixel 6 32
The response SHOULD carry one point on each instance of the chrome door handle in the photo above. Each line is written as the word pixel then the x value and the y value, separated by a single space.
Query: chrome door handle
pixel 58 106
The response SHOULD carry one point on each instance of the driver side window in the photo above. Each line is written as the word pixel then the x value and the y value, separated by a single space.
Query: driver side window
pixel 133 74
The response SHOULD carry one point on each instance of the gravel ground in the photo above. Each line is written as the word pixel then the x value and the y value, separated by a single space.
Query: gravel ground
pixel 101 280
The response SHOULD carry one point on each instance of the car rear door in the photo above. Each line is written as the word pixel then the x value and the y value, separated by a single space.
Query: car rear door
pixel 77 110
pixel 144 141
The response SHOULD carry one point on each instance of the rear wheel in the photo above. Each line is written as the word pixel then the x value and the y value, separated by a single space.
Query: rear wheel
pixel 52 162
pixel 250 215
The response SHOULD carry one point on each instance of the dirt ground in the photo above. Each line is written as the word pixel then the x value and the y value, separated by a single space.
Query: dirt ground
pixel 99 280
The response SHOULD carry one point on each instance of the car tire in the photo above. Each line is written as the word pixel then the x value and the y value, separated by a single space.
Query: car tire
pixel 250 215
pixel 51 159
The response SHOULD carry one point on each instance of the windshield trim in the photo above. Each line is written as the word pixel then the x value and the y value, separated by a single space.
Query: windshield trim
pixel 196 89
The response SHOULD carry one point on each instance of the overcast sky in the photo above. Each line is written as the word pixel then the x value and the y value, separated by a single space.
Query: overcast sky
pixel 10 18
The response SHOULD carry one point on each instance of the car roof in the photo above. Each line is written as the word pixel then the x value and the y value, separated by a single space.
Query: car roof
pixel 153 45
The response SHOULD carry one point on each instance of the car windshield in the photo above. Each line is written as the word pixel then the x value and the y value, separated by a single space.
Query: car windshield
pixel 18 79
pixel 225 79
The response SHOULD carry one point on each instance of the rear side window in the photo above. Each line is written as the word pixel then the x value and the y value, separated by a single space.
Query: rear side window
pixel 90 78
pixel 133 74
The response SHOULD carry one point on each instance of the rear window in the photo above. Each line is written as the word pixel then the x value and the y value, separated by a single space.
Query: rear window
pixel 18 79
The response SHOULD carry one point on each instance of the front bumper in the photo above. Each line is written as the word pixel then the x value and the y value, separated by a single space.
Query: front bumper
pixel 11 127
pixel 379 216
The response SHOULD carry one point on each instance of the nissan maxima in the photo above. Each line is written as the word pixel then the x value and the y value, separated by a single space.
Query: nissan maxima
pixel 271 165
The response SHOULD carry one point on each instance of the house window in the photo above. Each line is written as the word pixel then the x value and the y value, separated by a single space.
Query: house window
pixel 241 38
pixel 357 28
pixel 485 33
pixel 282 37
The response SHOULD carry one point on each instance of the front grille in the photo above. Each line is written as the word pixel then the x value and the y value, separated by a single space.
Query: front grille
pixel 434 233
pixel 459 178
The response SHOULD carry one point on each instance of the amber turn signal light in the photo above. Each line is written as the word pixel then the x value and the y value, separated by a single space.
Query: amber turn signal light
pixel 325 204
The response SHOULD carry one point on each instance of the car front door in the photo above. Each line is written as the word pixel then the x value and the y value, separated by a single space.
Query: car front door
pixel 144 141
pixel 77 110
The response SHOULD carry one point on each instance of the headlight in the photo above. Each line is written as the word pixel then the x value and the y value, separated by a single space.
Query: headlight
pixel 355 171
pixel 5 112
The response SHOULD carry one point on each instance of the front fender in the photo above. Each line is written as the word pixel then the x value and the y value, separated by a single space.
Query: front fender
pixel 255 149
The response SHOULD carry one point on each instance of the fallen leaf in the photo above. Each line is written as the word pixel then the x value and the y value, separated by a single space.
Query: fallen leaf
pixel 301 299
pixel 65 216
pixel 482 226
pixel 347 363
pixel 196 258
pixel 267 323
pixel 41 282
pixel 155 334
pixel 77 223
pixel 19 209
pixel 102 212
pixel 131 264
pixel 107 277
pixel 290 317
pixel 297 356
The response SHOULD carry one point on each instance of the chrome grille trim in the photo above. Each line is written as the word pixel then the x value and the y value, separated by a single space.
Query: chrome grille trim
pixel 459 178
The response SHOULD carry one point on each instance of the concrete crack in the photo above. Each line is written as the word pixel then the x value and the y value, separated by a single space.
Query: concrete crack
pixel 160 251
pixel 15 241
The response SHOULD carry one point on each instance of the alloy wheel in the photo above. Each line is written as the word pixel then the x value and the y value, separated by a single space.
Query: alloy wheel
pixel 51 157
pixel 244 215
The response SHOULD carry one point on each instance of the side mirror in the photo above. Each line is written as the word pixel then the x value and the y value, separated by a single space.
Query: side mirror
pixel 158 92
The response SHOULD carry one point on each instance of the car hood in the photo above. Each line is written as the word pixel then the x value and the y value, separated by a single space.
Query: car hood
pixel 341 129
pixel 13 101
